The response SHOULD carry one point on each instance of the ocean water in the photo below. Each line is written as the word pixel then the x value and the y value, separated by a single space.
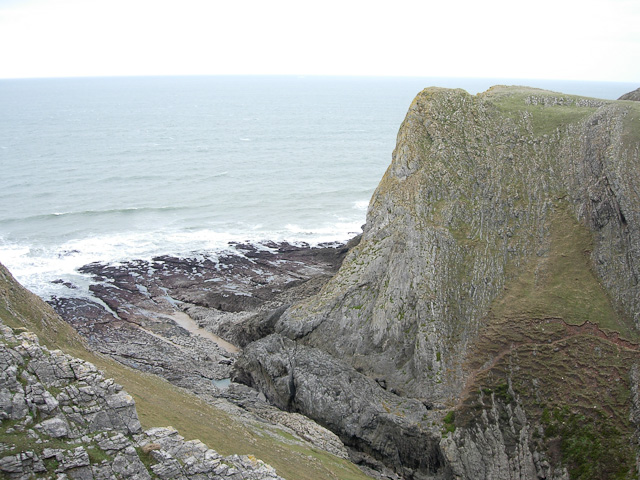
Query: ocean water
pixel 114 169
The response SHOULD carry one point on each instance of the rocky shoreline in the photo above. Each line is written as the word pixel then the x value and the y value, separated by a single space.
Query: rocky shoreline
pixel 187 319
pixel 484 326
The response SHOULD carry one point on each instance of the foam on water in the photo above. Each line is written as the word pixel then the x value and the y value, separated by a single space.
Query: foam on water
pixel 36 267
pixel 361 205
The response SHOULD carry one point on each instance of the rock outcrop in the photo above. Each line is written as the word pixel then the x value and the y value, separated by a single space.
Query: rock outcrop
pixel 301 378
pixel 85 426
pixel 232 416
pixel 168 316
pixel 495 291
pixel 62 419
pixel 635 95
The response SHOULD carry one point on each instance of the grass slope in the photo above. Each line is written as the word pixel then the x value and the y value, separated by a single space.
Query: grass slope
pixel 547 111
pixel 554 344
pixel 161 404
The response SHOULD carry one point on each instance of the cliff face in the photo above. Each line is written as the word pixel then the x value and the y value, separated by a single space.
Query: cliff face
pixel 495 290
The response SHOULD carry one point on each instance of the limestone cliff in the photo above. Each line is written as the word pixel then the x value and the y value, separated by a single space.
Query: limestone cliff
pixel 491 310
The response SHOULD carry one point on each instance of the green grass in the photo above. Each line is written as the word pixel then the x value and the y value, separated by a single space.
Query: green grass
pixel 160 404
pixel 147 460
pixel 97 455
pixel 631 133
pixel 545 120
pixel 449 424
pixel 21 441
pixel 562 283
pixel 51 464
pixel 551 335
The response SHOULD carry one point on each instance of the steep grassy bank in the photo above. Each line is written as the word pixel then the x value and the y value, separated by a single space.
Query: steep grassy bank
pixel 554 345
pixel 160 404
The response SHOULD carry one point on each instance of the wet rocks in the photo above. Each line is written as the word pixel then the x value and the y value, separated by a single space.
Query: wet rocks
pixel 160 317
pixel 132 315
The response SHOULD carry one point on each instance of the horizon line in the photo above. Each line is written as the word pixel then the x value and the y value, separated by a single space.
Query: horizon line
pixel 302 76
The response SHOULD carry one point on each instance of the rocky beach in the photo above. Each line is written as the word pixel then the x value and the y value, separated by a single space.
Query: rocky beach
pixel 186 319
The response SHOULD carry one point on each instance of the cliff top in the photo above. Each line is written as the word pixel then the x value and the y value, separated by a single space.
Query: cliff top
pixel 634 96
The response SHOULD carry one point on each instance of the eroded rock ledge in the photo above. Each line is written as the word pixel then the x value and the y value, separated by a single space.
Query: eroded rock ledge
pixel 62 419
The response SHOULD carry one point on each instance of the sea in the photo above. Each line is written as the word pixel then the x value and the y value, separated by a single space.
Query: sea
pixel 115 169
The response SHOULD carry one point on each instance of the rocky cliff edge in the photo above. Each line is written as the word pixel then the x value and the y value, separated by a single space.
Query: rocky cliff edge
pixel 486 326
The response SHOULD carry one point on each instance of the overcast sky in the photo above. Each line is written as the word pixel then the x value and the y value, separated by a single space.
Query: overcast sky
pixel 541 39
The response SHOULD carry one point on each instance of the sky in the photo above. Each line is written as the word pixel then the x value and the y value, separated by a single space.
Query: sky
pixel 590 40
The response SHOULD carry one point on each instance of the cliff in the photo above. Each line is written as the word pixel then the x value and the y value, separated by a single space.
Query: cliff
pixel 486 326
pixel 62 417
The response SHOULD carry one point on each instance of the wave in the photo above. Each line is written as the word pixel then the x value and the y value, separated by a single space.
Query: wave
pixel 135 178
pixel 37 266
pixel 361 205
pixel 96 213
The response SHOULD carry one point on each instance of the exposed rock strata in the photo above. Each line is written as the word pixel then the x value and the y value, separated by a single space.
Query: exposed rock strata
pixel 163 317
pixel 489 206
pixel 62 419
pixel 135 317
pixel 373 420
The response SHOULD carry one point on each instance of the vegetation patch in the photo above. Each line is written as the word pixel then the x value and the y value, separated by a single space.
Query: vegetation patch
pixel 147 460
pixel 449 422
pixel 97 455
pixel 589 446
pixel 51 464
pixel 631 132
pixel 562 284
pixel 554 345
pixel 547 111
pixel 502 392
